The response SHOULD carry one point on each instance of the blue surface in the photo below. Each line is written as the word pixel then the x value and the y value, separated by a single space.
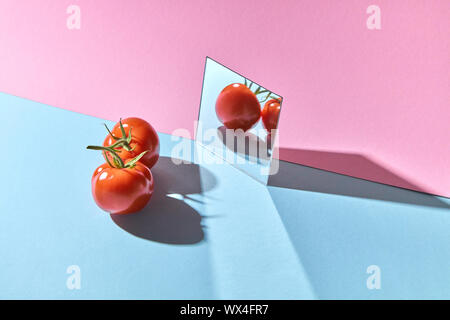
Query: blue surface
pixel 210 231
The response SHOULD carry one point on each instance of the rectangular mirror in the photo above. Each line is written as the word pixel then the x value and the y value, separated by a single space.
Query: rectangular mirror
pixel 238 120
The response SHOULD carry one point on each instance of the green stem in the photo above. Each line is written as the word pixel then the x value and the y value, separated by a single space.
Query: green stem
pixel 107 160
pixel 124 140
pixel 124 135
pixel 132 162
pixel 267 97
pixel 125 143
pixel 112 152
pixel 259 90
pixel 110 133
pixel 119 163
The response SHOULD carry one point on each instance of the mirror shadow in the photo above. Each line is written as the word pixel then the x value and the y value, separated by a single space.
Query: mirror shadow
pixel 301 177
pixel 339 236
pixel 167 218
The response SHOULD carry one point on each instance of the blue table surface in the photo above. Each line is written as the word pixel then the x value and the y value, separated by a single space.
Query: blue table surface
pixel 210 231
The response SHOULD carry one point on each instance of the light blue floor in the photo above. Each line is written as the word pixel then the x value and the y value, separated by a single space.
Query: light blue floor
pixel 209 232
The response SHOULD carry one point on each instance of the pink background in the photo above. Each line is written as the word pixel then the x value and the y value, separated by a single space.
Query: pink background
pixel 368 103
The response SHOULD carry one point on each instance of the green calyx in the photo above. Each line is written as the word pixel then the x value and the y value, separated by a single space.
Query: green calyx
pixel 117 161
pixel 260 90
pixel 124 142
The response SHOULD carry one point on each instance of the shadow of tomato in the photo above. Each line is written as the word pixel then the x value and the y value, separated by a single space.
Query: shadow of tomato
pixel 166 219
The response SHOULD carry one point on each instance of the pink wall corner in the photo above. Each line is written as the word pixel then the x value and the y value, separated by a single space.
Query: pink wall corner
pixel 380 94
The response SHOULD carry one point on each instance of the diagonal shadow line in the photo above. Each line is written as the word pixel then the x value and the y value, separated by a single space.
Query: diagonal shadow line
pixel 300 177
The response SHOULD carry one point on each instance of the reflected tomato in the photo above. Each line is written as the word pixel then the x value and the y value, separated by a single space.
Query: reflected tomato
pixel 271 113
pixel 237 107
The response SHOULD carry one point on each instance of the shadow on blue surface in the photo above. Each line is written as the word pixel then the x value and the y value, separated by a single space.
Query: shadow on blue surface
pixel 167 219
pixel 294 176
pixel 339 226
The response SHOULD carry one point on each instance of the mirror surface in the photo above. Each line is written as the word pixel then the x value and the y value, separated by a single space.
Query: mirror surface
pixel 238 119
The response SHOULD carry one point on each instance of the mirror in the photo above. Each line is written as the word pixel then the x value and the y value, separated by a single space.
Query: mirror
pixel 238 120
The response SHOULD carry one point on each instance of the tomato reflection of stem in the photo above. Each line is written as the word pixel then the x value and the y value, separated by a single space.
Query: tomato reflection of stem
pixel 260 90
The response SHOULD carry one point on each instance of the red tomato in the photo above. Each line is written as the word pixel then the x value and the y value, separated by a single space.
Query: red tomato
pixel 237 107
pixel 144 137
pixel 120 191
pixel 270 114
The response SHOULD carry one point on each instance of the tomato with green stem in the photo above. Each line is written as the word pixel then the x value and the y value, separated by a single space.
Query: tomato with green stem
pixel 271 113
pixel 131 137
pixel 121 186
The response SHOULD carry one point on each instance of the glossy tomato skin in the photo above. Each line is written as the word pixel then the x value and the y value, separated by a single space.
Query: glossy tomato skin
pixel 122 191
pixel 270 114
pixel 144 137
pixel 237 107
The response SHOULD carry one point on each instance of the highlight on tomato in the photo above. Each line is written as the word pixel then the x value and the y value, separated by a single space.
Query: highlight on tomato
pixel 121 186
pixel 271 113
pixel 132 136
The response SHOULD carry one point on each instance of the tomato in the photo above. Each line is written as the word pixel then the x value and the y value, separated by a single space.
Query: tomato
pixel 270 114
pixel 237 107
pixel 143 137
pixel 122 190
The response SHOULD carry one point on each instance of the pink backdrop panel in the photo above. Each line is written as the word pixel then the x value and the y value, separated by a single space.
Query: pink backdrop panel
pixel 368 103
